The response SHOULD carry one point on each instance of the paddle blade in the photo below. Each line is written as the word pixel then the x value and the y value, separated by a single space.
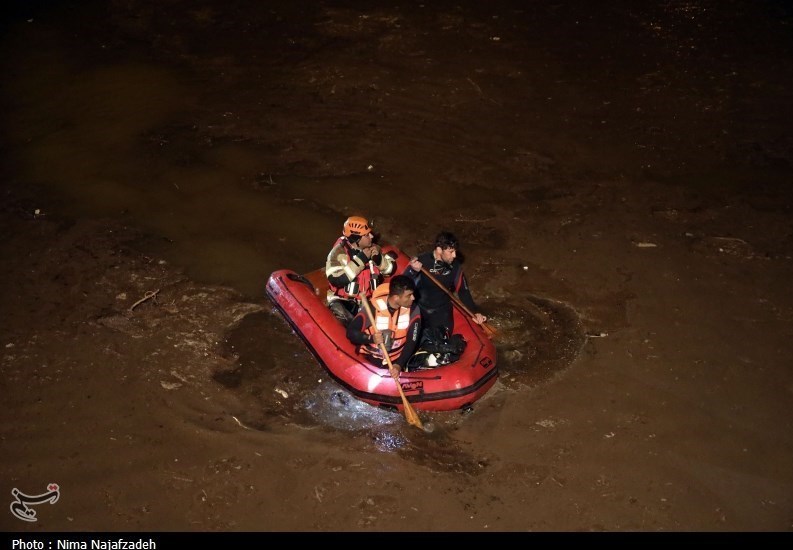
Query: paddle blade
pixel 411 415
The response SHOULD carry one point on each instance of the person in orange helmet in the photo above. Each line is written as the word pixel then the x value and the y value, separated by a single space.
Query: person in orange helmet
pixel 354 264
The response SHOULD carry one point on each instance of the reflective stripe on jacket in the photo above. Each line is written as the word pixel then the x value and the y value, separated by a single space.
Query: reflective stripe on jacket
pixel 346 261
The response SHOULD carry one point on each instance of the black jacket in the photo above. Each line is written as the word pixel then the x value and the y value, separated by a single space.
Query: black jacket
pixel 429 296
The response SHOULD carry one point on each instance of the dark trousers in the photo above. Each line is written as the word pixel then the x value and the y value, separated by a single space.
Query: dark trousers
pixel 440 317
pixel 344 310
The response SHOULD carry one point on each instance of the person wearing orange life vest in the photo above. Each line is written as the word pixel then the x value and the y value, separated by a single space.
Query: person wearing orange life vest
pixel 397 324
pixel 354 264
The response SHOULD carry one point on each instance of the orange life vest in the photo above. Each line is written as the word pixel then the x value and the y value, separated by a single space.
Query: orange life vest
pixel 397 322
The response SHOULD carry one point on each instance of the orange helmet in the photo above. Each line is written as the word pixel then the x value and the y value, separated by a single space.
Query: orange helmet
pixel 356 225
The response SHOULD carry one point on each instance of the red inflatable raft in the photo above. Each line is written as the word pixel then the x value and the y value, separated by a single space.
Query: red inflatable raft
pixel 301 300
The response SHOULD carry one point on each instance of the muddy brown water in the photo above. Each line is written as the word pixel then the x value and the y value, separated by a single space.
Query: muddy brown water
pixel 618 177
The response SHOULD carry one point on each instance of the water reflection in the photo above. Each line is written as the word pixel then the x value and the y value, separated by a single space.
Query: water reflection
pixel 329 405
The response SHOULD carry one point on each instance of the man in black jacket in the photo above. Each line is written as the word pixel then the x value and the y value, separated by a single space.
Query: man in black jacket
pixel 435 304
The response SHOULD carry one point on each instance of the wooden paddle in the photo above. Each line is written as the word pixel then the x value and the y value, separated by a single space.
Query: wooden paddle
pixel 490 331
pixel 410 413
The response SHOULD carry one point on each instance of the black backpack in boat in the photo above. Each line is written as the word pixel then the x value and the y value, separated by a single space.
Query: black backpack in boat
pixel 437 348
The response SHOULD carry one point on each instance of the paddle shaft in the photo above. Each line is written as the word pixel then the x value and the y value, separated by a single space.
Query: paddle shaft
pixel 488 329
pixel 410 413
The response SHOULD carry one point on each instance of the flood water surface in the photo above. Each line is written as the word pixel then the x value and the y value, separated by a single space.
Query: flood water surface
pixel 617 176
